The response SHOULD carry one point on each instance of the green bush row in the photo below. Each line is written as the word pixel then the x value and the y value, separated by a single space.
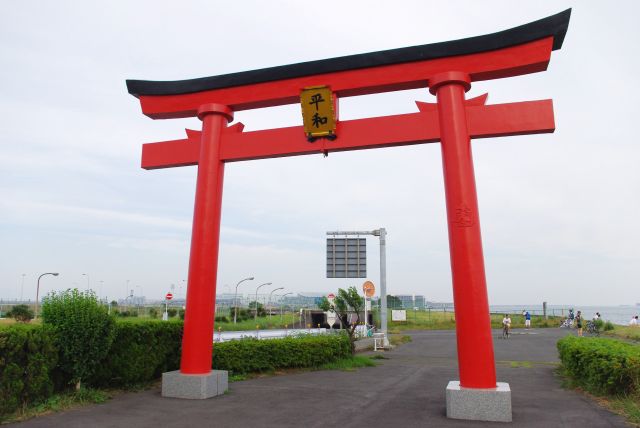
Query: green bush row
pixel 140 352
pixel 28 356
pixel 252 355
pixel 601 366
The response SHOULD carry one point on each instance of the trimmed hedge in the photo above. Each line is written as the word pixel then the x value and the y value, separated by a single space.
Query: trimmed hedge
pixel 252 355
pixel 600 365
pixel 28 356
pixel 141 352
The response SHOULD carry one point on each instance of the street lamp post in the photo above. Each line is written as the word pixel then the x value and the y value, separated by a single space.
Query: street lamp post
pixel 259 286
pixel 38 289
pixel 22 288
pixel 282 304
pixel 280 288
pixel 88 282
pixel 126 292
pixel 235 298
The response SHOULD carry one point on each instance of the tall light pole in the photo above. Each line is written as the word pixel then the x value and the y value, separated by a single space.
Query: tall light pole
pixel 269 304
pixel 22 287
pixel 88 282
pixel 282 304
pixel 38 289
pixel 259 286
pixel 100 289
pixel 235 298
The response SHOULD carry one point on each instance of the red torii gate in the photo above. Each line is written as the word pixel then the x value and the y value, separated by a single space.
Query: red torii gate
pixel 447 69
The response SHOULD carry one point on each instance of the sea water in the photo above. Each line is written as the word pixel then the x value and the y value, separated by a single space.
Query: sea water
pixel 616 314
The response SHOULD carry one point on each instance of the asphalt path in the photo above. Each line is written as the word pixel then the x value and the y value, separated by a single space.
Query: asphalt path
pixel 405 390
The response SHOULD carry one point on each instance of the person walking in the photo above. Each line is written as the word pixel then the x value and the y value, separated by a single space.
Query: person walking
pixel 578 321
pixel 527 320
pixel 634 321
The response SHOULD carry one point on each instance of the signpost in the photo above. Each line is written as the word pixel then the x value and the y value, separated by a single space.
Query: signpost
pixel 167 297
pixel 331 317
pixel 369 290
pixel 382 234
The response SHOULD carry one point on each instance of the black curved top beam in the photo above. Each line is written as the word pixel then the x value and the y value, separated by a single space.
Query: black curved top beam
pixel 555 25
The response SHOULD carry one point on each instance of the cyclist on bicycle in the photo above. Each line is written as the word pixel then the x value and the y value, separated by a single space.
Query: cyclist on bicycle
pixel 506 325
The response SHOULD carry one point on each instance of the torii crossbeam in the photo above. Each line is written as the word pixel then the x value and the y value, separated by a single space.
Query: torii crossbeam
pixel 447 69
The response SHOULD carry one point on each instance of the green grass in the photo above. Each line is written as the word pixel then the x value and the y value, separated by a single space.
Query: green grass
pixel 58 403
pixel 436 320
pixel 378 357
pixel 624 332
pixel 399 339
pixel 237 377
pixel 625 405
pixel 524 364
pixel 350 363
pixel 628 406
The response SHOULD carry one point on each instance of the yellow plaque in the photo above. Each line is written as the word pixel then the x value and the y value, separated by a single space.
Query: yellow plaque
pixel 318 113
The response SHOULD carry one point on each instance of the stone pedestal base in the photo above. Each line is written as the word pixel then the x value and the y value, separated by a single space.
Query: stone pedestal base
pixel 492 404
pixel 195 387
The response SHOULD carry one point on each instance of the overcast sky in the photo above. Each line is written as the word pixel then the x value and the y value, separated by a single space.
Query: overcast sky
pixel 559 212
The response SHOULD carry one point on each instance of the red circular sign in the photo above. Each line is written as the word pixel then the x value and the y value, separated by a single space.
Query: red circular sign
pixel 369 289
pixel 331 296
pixel 169 296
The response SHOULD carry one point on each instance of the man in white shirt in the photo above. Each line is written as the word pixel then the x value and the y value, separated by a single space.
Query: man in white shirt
pixel 634 321
pixel 506 326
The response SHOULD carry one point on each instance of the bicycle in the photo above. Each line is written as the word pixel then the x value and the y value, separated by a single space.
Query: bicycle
pixel 592 328
pixel 566 323
pixel 505 331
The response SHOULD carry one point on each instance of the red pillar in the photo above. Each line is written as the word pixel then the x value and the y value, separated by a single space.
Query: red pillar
pixel 197 342
pixel 473 323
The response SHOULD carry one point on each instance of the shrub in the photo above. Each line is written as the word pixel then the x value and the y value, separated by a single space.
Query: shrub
pixel 252 355
pixel 141 351
pixel 84 331
pixel 20 313
pixel 608 326
pixel 221 319
pixel 181 314
pixel 27 357
pixel 172 312
pixel 153 313
pixel 243 314
pixel 601 366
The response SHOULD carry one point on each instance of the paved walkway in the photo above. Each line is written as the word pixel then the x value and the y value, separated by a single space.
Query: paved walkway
pixel 406 390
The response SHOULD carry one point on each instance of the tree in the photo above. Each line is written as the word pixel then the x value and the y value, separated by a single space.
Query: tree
pixel 261 311
pixel 393 302
pixel 345 300
pixel 21 313
pixel 84 331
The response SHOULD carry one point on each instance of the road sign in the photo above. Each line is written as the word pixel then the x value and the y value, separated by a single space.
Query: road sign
pixel 169 296
pixel 331 297
pixel 398 315
pixel 346 258
pixel 331 318
pixel 369 289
